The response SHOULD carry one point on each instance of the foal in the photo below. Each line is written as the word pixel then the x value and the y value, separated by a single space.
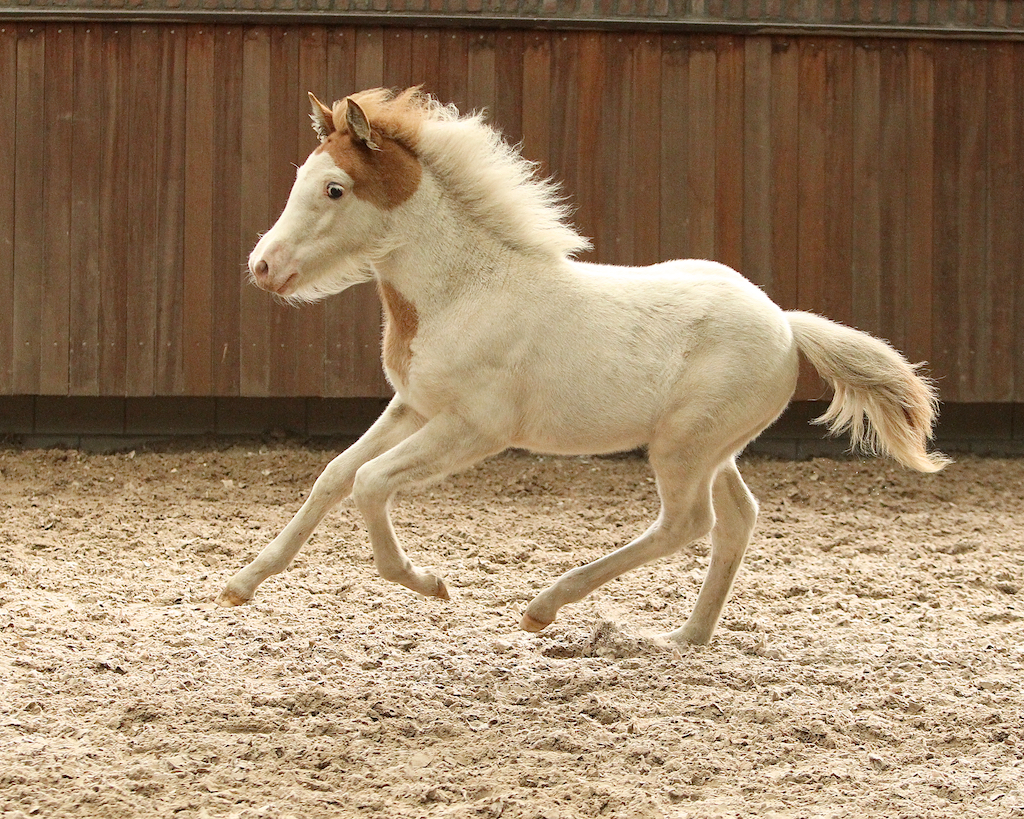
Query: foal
pixel 496 337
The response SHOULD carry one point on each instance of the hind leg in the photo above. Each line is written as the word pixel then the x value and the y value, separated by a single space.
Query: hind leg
pixel 735 515
pixel 686 514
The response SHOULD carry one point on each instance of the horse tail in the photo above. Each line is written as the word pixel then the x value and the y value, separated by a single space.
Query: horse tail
pixel 879 397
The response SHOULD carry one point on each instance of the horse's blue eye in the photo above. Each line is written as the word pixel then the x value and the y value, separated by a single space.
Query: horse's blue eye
pixel 334 190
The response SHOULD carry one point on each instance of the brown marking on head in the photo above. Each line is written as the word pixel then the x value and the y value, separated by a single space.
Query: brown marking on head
pixel 401 322
pixel 377 147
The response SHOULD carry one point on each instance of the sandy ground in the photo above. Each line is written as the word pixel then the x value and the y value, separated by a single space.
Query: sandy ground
pixel 869 663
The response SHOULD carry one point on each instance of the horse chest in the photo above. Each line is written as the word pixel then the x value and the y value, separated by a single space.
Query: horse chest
pixel 401 322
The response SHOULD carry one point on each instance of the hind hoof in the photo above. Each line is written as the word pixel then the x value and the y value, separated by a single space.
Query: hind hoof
pixel 532 624
pixel 228 599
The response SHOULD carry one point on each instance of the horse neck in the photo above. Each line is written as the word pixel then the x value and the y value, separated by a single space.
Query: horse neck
pixel 439 251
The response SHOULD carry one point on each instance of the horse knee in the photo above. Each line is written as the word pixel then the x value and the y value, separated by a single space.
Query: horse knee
pixel 369 487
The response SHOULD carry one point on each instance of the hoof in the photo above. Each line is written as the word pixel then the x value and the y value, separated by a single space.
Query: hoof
pixel 442 590
pixel 532 624
pixel 228 598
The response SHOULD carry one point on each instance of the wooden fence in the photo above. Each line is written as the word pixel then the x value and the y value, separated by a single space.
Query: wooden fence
pixel 876 181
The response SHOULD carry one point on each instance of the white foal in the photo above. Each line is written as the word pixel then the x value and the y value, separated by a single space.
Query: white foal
pixel 495 337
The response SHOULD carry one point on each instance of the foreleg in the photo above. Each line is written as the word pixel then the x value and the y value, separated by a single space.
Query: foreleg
pixel 396 424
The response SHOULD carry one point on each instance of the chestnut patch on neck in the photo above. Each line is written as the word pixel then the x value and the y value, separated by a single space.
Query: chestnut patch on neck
pixel 400 324
pixel 385 178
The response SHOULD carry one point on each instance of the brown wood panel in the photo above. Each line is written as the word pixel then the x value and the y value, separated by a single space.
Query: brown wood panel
pixel 675 112
pixel 537 99
pixel 55 274
pixel 897 307
pixel 228 241
pixel 757 162
pixel 701 173
pixel 451 84
pixel 168 228
pixel 507 110
pixel 785 164
pixel 871 181
pixel 729 159
pixel 920 199
pixel 255 307
pixel 1005 218
pixel 837 296
pixel 29 212
pixel 866 221
pixel 644 167
pixel 481 78
pixel 198 251
pixel 141 195
pixel 8 102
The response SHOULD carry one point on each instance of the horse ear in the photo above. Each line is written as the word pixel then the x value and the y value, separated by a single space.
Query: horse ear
pixel 323 119
pixel 358 124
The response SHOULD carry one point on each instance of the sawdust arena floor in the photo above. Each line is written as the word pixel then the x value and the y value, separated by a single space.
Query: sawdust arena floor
pixel 869 664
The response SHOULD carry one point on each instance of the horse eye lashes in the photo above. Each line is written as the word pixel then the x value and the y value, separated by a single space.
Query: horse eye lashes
pixel 334 190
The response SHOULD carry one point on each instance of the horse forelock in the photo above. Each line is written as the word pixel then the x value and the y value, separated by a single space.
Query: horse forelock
pixel 470 159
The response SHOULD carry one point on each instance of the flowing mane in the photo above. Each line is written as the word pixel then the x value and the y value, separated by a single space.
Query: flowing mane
pixel 476 166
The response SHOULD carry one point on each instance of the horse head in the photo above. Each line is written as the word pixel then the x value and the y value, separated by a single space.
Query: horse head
pixel 336 220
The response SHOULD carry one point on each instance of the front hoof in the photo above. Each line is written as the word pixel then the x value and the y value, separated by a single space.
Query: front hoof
pixel 532 624
pixel 228 599
pixel 441 591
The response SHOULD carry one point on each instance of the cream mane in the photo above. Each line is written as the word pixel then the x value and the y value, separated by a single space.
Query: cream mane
pixel 477 167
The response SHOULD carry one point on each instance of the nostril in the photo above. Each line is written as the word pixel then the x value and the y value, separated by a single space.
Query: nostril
pixel 261 269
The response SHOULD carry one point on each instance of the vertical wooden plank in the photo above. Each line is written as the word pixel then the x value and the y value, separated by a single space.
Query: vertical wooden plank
pixel 426 58
pixel 675 113
pixel 589 80
pixel 947 321
pixel 785 158
pixel 369 57
pixel 562 126
pixel 508 85
pixel 8 101
pixel 645 125
pixel 866 216
pixel 920 199
pixel 757 162
pixel 198 253
pixel 398 58
pixel 143 190
pixel 837 296
pixel 609 192
pixel 29 215
pixel 229 237
pixel 537 100
pixel 481 84
pixel 729 99
pixel 59 146
pixel 1005 217
pixel 895 297
pixel 452 82
pixel 168 364
pixel 700 149
pixel 116 263
pixel 256 216
pixel 975 362
pixel 810 282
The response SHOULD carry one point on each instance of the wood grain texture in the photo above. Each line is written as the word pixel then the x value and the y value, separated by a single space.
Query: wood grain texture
pixel 875 181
